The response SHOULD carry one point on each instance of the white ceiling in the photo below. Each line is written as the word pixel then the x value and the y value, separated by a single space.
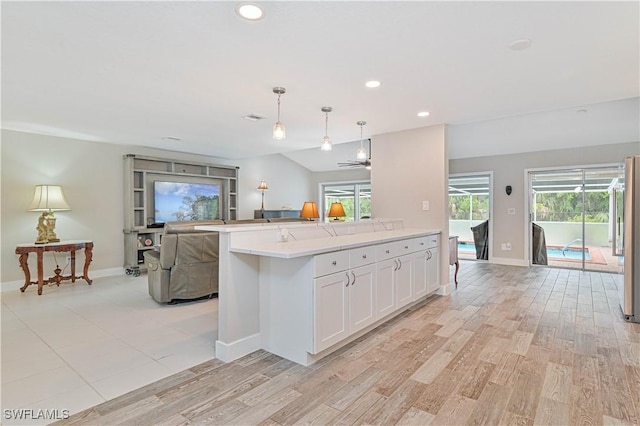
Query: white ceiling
pixel 137 72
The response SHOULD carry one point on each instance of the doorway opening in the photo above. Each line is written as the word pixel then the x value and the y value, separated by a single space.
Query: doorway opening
pixel 470 200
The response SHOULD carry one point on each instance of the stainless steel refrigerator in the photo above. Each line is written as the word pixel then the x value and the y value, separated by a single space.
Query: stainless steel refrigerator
pixel 627 239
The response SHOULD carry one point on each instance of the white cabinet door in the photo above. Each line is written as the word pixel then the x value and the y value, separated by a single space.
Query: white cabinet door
pixel 419 274
pixel 433 269
pixel 362 297
pixel 385 287
pixel 331 303
pixel 403 284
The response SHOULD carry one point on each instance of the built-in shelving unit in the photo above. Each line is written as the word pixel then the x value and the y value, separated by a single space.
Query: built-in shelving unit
pixel 139 174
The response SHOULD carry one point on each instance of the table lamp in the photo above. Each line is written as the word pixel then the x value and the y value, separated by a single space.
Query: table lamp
pixel 336 211
pixel 309 210
pixel 262 187
pixel 47 199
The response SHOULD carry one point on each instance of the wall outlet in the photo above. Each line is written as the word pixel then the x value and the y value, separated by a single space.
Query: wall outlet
pixel 511 210
pixel 425 205
pixel 506 246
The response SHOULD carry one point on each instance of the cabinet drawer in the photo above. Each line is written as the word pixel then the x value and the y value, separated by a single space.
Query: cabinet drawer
pixel 362 256
pixel 421 243
pixel 329 263
pixel 405 247
pixel 433 240
pixel 386 251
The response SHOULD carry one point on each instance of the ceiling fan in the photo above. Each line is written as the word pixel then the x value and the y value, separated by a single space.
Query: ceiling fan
pixel 361 155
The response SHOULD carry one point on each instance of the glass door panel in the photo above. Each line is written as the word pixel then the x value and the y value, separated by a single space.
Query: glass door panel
pixel 557 210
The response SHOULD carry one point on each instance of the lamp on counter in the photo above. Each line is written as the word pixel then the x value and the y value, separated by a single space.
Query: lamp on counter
pixel 47 199
pixel 309 210
pixel 262 187
pixel 336 211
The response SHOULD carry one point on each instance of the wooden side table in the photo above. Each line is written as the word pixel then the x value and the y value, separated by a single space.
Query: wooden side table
pixel 63 246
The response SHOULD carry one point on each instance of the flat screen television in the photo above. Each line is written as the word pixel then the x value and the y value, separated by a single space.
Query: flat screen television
pixel 176 201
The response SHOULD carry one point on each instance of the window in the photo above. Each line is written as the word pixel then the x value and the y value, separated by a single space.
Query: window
pixel 354 196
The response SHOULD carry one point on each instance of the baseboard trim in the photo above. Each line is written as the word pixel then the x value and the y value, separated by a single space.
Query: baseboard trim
pixel 509 262
pixel 100 273
pixel 228 352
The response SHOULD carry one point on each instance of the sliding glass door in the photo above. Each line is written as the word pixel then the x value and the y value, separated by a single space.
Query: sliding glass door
pixel 571 217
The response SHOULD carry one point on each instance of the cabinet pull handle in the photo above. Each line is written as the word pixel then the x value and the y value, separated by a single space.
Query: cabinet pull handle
pixel 400 263
pixel 354 279
pixel 387 251
pixel 406 247
pixel 364 256
pixel 421 243
pixel 347 274
pixel 396 265
pixel 334 263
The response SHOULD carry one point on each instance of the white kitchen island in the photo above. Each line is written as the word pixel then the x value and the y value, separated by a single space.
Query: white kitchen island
pixel 323 287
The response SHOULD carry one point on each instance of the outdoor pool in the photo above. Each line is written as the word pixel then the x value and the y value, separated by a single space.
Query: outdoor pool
pixel 552 252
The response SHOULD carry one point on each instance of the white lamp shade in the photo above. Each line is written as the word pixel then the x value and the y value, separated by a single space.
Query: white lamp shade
pixel 48 197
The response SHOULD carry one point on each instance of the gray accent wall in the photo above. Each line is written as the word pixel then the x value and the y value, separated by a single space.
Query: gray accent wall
pixel 510 170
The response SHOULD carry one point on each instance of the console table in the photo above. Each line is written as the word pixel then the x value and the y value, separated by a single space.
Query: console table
pixel 63 246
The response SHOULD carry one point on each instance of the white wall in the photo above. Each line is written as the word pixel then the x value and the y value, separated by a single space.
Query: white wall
pixel 91 174
pixel 290 184
pixel 510 170
pixel 410 167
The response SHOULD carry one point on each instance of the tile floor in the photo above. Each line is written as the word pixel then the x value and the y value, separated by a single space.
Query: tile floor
pixel 77 345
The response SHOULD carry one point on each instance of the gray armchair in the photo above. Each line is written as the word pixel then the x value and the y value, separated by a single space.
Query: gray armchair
pixel 186 267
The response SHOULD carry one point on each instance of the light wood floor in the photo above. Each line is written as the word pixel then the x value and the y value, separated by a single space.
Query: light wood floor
pixel 510 346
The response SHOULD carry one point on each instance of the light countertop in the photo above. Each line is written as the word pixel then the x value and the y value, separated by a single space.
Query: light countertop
pixel 309 247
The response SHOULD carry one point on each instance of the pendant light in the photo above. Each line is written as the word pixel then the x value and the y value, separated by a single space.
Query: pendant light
pixel 326 141
pixel 278 128
pixel 361 154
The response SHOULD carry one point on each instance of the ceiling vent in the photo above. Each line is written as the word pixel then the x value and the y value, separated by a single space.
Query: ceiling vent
pixel 253 117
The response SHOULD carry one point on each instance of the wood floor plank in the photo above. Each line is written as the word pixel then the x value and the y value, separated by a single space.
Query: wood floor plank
pixel 490 406
pixel 551 412
pixel 415 417
pixel 557 382
pixel 525 396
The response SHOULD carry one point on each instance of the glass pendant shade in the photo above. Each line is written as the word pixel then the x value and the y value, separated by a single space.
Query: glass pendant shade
pixel 326 144
pixel 278 131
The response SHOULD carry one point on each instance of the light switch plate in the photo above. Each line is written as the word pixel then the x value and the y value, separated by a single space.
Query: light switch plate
pixel 425 205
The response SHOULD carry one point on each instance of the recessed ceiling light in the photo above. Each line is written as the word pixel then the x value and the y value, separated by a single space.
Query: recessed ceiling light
pixel 522 44
pixel 372 84
pixel 250 11
pixel 423 114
